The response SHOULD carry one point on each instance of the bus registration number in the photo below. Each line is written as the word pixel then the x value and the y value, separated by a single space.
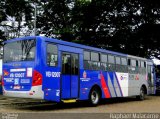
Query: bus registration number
pixel 17 87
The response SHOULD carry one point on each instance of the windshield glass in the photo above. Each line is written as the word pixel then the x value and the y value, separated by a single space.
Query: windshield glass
pixel 23 50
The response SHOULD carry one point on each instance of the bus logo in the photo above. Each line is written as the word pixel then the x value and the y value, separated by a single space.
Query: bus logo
pixel 84 74
pixel 6 73
pixel 122 78
pixel 137 77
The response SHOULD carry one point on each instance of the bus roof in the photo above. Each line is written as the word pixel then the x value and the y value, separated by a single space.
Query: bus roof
pixel 74 45
pixel 85 47
pixel 136 57
pixel 22 38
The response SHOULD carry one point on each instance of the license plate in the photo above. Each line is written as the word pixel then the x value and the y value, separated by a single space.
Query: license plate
pixel 17 87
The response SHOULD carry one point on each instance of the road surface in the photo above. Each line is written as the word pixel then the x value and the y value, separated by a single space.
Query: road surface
pixel 117 105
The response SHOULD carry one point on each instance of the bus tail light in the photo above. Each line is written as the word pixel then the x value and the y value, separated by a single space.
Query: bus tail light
pixel 37 78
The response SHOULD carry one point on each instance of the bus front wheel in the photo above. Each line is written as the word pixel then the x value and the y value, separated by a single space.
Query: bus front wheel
pixel 94 96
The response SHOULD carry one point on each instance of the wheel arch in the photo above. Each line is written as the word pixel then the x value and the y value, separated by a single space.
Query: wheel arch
pixel 97 87
pixel 145 88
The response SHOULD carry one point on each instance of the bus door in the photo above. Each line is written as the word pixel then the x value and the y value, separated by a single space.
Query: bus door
pixel 151 80
pixel 69 75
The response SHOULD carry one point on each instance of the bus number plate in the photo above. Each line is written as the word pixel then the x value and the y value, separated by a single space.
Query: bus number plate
pixel 17 87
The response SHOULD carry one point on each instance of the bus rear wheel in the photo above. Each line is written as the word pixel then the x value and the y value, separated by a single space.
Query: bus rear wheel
pixel 142 94
pixel 94 97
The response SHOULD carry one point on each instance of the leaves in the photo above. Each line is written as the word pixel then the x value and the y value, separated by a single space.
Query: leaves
pixel 128 26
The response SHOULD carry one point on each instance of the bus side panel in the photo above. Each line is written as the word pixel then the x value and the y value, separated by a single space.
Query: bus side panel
pixel 51 84
pixel 87 80
pixel 51 75
pixel 112 84
pixel 107 81
pixel 135 83
pixel 116 84
pixel 74 86
pixel 65 86
pixel 123 80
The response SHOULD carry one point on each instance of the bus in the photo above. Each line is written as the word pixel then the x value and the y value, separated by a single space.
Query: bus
pixel 59 71
pixel 157 79
pixel 0 76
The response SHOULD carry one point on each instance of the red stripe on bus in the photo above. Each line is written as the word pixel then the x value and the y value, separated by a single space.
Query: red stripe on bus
pixel 105 87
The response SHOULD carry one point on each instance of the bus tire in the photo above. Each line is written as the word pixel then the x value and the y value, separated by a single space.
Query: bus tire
pixel 142 94
pixel 94 96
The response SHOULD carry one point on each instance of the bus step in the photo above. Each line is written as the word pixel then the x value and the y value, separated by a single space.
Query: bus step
pixel 69 101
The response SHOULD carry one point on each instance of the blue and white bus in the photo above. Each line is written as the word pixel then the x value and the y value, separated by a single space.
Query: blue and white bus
pixel 55 70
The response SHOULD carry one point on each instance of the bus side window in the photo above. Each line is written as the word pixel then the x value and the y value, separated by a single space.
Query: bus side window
pixel 87 58
pixel 111 63
pixel 129 62
pixel 52 55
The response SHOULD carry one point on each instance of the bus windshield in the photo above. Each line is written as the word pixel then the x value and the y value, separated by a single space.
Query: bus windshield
pixel 23 50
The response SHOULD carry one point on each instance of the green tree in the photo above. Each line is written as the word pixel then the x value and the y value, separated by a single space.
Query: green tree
pixel 55 19
pixel 115 25
pixel 119 25
pixel 20 13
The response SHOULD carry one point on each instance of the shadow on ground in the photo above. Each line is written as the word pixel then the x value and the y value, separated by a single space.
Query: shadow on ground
pixel 36 105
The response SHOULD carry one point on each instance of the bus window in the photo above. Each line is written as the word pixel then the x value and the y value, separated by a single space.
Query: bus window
pixel 94 56
pixel 118 60
pixel 95 61
pixel 74 64
pixel 133 63
pixel 124 67
pixel 111 59
pixel 142 64
pixel 52 55
pixel 66 64
pixel 20 51
pixel 86 55
pixel 104 58
pixel 124 61
pixel 111 63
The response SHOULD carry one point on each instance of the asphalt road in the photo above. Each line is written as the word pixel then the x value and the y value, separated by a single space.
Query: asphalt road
pixel 117 105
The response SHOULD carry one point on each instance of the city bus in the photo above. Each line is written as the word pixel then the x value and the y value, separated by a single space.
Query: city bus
pixel 59 71
pixel 157 79
pixel 0 76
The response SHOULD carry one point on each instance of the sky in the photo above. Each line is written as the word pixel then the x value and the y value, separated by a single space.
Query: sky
pixel 156 61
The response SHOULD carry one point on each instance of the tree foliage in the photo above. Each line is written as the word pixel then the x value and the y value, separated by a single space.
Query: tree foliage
pixel 15 14
pixel 128 26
